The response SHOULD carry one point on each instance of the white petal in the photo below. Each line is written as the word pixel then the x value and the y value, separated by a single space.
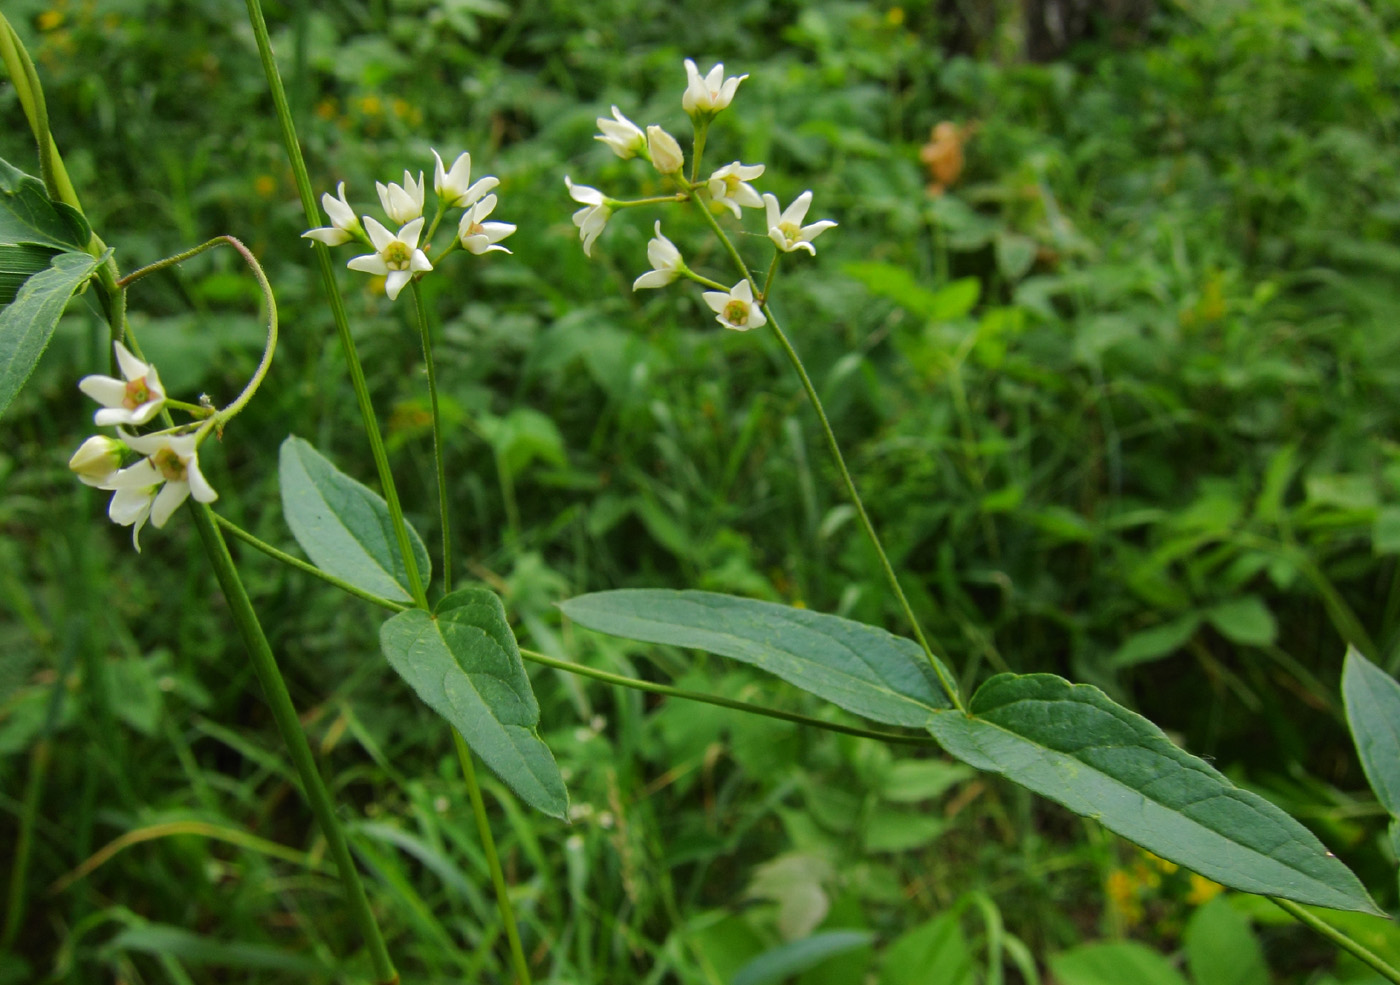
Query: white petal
pixel 497 231
pixel 110 416
pixel 409 233
pixel 199 486
pixel 816 229
pixel 131 367
pixel 370 263
pixel 338 209
pixel 386 200
pixel 419 263
pixel 105 390
pixel 378 235
pixel 583 193
pixel 129 504
pixel 770 211
pixel 329 235
pixel 717 300
pixel 654 278
pixel 477 190
pixel 168 500
pixel 797 211
pixel 139 476
pixel 144 412
pixel 395 282
pixel 742 292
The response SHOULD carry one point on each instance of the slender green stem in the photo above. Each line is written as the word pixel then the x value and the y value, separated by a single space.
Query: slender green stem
pixel 1337 937
pixel 632 203
pixel 711 699
pixel 713 284
pixel 949 686
pixel 426 333
pixel 24 842
pixel 493 861
pixel 310 569
pixel 772 273
pixel 342 324
pixel 285 714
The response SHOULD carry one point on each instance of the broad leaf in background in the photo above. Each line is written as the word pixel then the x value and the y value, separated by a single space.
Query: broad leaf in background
pixel 860 668
pixel 789 960
pixel 27 323
pixel 343 525
pixel 464 663
pixel 28 216
pixel 1373 712
pixel 1114 963
pixel 1072 744
pixel 1221 948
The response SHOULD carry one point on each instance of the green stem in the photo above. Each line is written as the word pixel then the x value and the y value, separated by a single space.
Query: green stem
pixel 24 842
pixel 1337 937
pixel 310 569
pixel 711 699
pixel 342 324
pixel 285 714
pixel 493 861
pixel 949 686
pixel 426 333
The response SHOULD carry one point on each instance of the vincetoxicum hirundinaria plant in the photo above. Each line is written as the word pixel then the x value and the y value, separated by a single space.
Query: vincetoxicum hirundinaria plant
pixel 455 647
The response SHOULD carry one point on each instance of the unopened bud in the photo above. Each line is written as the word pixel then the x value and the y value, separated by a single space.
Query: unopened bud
pixel 97 459
pixel 665 153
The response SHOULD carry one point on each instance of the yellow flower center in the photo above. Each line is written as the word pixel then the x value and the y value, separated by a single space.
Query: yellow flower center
pixel 137 393
pixel 169 464
pixel 736 312
pixel 791 231
pixel 397 255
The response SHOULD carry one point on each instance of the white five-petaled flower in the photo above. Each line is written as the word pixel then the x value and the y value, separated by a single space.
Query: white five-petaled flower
pixel 666 262
pixel 592 217
pixel 736 309
pixel 454 186
pixel 344 225
pixel 730 186
pixel 665 152
pixel 786 230
pixel 709 94
pixel 97 459
pixel 621 134
pixel 395 258
pixel 155 487
pixel 402 203
pixel 134 399
pixel 481 237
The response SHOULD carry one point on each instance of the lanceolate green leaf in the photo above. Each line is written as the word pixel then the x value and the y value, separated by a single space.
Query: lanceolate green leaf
pixel 860 668
pixel 27 323
pixel 1373 711
pixel 464 663
pixel 28 216
pixel 1072 744
pixel 343 525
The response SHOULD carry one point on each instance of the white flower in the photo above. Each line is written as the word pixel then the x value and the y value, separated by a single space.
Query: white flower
pixel 787 231
pixel 131 400
pixel 665 153
pixel 708 95
pixel 481 237
pixel 621 134
pixel 454 187
pixel 97 460
pixel 402 203
pixel 344 226
pixel 666 262
pixel 736 309
pixel 730 186
pixel 592 217
pixel 156 486
pixel 395 258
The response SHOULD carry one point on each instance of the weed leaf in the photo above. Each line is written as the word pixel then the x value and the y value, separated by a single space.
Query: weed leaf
pixel 343 525
pixel 29 217
pixel 27 323
pixel 1373 712
pixel 464 664
pixel 1072 744
pixel 860 668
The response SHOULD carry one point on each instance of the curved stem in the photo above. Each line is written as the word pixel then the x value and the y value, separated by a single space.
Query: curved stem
pixel 342 324
pixel 285 714
pixel 493 860
pixel 1337 937
pixel 424 331
pixel 949 686
pixel 310 569
pixel 711 699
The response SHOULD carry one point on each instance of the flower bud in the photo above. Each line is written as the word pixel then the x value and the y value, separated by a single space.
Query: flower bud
pixel 97 459
pixel 665 153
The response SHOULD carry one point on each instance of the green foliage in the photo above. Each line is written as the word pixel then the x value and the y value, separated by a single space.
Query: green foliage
pixel 1373 711
pixel 463 662
pixel 28 322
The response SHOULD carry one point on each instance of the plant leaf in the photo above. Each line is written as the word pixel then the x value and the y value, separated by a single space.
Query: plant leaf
pixel 1072 744
pixel 788 960
pixel 29 216
pixel 1113 963
pixel 27 323
pixel 343 525
pixel 1372 700
pixel 464 663
pixel 860 668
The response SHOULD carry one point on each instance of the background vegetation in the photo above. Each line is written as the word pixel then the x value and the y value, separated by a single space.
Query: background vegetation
pixel 1124 397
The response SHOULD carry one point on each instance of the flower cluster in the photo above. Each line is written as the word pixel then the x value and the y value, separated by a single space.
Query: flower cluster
pixel 397 256
pixel 168 471
pixel 729 187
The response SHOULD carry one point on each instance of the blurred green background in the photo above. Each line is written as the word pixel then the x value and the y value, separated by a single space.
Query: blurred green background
pixel 1122 398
